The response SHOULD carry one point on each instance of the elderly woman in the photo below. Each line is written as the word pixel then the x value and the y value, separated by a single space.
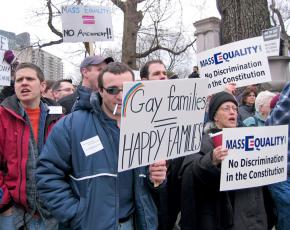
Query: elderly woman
pixel 204 207
pixel 247 107
pixel 262 106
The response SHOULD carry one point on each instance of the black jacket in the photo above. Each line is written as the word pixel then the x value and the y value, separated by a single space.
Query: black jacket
pixel 68 101
pixel 7 91
pixel 246 111
pixel 204 207
pixel 194 75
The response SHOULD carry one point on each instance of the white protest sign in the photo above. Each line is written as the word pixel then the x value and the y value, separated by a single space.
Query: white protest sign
pixel 161 120
pixel 257 156
pixel 3 43
pixel 272 41
pixel 86 23
pixel 244 63
pixel 5 69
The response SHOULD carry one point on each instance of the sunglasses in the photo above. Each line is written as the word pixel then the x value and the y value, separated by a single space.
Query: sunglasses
pixel 113 90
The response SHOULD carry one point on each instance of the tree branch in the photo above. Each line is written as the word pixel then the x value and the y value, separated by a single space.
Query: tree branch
pixel 119 4
pixel 48 43
pixel 159 47
pixel 280 19
pixel 49 22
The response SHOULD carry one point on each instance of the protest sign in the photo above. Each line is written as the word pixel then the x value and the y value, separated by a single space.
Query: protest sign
pixel 272 41
pixel 5 69
pixel 257 156
pixel 86 23
pixel 161 120
pixel 244 63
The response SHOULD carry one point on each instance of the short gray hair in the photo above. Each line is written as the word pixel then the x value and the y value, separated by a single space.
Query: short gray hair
pixel 264 97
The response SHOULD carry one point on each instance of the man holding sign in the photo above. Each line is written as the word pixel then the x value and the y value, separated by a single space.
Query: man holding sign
pixel 77 174
pixel 204 207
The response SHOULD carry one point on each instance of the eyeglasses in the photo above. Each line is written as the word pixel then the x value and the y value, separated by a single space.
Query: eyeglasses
pixel 229 108
pixel 113 90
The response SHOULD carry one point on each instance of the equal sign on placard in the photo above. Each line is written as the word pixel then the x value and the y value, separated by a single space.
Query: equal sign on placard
pixel 166 122
pixel 88 19
pixel 252 144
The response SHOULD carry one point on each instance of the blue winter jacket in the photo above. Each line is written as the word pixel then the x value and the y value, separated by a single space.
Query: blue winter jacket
pixel 82 190
pixel 280 115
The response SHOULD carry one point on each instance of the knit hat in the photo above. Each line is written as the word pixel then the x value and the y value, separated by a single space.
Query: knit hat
pixel 95 60
pixel 9 57
pixel 274 101
pixel 217 100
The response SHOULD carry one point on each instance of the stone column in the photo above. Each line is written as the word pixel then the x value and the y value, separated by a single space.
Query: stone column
pixel 279 68
pixel 207 33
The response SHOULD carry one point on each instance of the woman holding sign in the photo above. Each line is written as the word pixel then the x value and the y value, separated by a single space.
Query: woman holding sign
pixel 204 207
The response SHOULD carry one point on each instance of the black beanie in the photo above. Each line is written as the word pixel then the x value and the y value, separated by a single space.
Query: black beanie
pixel 217 100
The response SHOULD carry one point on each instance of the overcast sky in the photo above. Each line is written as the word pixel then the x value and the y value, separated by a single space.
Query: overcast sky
pixel 18 16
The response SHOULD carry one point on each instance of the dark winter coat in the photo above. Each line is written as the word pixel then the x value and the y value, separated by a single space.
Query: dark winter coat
pixel 246 111
pixel 68 101
pixel 204 207
pixel 83 190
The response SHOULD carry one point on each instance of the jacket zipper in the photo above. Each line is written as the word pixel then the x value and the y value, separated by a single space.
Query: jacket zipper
pixel 21 153
pixel 111 141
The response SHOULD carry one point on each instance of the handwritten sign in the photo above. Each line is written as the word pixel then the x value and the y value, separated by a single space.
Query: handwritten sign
pixel 161 120
pixel 272 41
pixel 244 63
pixel 257 156
pixel 5 70
pixel 86 23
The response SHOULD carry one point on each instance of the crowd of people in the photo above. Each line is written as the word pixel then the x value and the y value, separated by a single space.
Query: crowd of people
pixel 58 167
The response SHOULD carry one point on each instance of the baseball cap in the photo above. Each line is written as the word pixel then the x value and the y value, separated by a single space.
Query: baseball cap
pixel 95 60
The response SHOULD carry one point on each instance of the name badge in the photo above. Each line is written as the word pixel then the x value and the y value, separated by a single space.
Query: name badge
pixel 55 110
pixel 92 145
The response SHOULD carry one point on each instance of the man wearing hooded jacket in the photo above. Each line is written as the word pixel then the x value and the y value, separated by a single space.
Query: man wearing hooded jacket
pixel 77 176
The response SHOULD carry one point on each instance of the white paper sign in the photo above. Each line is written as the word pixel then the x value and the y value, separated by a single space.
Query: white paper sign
pixel 161 120
pixel 55 109
pixel 257 156
pixel 86 23
pixel 92 145
pixel 244 63
pixel 3 43
pixel 5 69
pixel 272 41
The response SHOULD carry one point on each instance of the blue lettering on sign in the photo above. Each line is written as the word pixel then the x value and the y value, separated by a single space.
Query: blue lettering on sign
pixel 70 9
pixel 96 10
pixel 221 57
pixel 218 58
pixel 250 143
pixel 249 140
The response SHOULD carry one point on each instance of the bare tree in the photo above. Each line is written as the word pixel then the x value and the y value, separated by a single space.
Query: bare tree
pixel 242 19
pixel 157 36
pixel 280 15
